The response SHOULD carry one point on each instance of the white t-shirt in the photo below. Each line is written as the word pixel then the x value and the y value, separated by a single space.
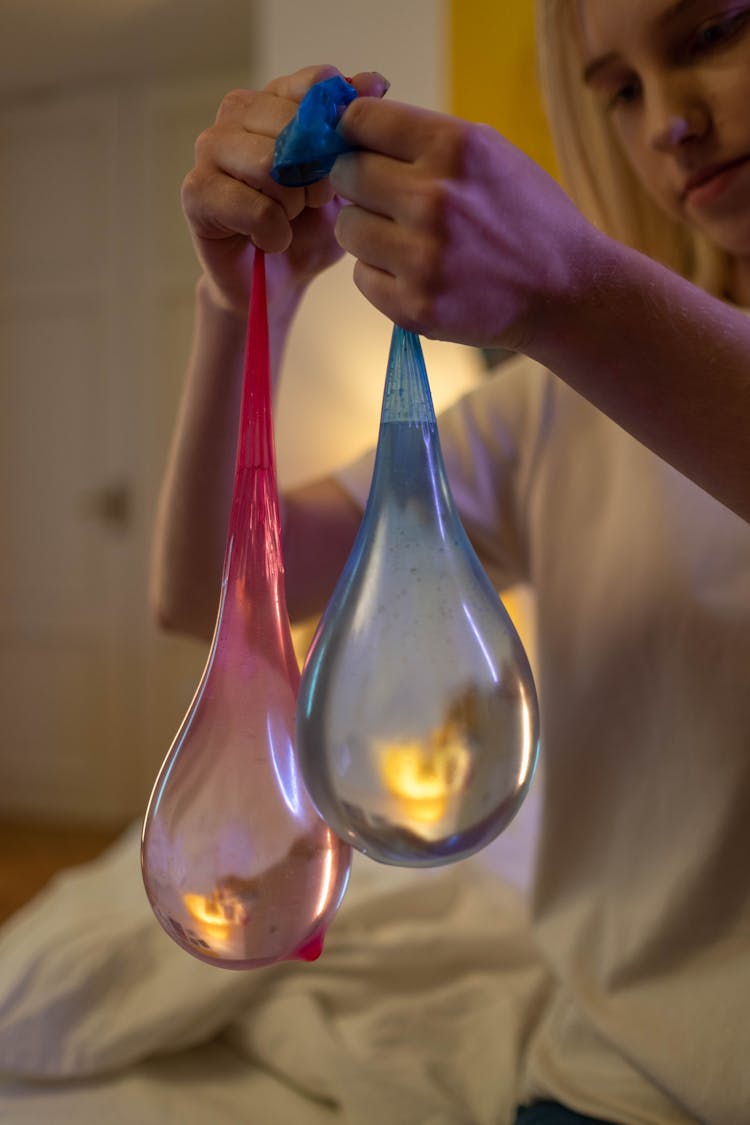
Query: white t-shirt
pixel 641 895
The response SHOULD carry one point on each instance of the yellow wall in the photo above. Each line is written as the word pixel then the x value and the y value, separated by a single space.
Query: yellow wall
pixel 492 71
pixel 492 79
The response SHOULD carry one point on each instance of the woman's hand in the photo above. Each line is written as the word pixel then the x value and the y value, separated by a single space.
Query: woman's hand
pixel 458 234
pixel 232 204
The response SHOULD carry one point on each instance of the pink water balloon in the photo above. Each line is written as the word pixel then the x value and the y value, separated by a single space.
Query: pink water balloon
pixel 239 867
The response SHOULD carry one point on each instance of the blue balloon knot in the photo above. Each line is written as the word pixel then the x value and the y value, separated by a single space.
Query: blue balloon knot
pixel 307 148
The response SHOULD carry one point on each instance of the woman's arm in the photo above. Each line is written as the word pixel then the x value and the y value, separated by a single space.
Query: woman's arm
pixel 232 205
pixel 460 236
pixel 663 359
pixel 193 508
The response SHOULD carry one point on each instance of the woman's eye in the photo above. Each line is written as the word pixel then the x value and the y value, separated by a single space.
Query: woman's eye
pixel 624 94
pixel 716 33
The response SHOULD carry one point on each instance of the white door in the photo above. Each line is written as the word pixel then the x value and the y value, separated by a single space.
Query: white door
pixel 96 278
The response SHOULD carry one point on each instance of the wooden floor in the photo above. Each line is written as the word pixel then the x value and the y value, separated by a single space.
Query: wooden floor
pixel 31 853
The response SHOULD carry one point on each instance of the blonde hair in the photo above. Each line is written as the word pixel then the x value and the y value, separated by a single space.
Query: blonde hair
pixel 593 169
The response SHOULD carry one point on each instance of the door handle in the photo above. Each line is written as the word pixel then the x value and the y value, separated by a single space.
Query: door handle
pixel 110 505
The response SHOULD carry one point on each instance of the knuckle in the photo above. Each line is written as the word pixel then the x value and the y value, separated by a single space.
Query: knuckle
pixel 191 190
pixel 267 210
pixel 269 225
pixel 294 86
pixel 424 266
pixel 342 231
pixel 430 203
pixel 418 312
pixel 234 103
pixel 323 71
pixel 447 146
pixel 204 144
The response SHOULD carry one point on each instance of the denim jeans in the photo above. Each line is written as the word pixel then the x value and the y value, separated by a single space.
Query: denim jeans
pixel 550 1113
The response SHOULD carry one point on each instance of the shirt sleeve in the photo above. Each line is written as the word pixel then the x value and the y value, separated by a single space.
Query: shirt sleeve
pixel 491 440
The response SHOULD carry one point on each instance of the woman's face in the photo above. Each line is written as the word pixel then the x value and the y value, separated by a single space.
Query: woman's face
pixel 674 78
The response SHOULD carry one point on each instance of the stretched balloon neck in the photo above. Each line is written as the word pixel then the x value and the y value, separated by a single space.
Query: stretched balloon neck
pixel 407 396
pixel 255 446
pixel 254 543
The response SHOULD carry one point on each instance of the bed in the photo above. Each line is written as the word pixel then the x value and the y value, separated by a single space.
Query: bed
pixel 415 1013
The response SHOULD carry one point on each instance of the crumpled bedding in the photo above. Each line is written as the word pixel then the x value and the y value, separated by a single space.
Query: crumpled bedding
pixel 416 1014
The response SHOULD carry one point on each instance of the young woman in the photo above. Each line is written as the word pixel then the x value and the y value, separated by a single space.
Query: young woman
pixel 609 466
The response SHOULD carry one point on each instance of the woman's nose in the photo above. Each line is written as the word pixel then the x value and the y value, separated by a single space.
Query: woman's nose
pixel 673 129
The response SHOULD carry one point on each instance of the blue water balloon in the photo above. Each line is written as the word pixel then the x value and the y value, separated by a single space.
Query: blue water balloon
pixel 417 718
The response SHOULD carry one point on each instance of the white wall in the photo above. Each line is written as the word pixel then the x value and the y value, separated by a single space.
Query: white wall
pixel 404 39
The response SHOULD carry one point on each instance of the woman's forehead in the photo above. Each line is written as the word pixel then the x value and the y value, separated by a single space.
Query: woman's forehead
pixel 601 22
pixel 609 25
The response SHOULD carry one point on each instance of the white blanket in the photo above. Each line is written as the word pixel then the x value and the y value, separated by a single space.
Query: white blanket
pixel 415 1014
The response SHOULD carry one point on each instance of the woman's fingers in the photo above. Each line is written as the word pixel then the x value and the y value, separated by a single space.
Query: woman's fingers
pixel 219 206
pixel 403 132
pixel 294 86
pixel 368 83
pixel 231 201
pixel 228 149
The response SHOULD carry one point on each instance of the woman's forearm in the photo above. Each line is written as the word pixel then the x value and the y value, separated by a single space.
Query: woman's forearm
pixel 663 359
pixel 193 510
pixel 460 236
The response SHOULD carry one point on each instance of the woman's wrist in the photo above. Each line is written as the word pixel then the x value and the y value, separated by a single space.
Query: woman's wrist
pixel 582 306
pixel 226 324
pixel 211 303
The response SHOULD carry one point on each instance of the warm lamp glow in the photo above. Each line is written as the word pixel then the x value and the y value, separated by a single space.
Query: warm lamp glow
pixel 425 777
pixel 219 911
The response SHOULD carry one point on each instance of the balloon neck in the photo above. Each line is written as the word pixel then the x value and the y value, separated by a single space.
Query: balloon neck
pixel 407 396
pixel 253 595
pixel 255 449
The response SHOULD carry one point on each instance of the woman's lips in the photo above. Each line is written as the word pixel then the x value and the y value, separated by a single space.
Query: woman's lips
pixel 707 184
